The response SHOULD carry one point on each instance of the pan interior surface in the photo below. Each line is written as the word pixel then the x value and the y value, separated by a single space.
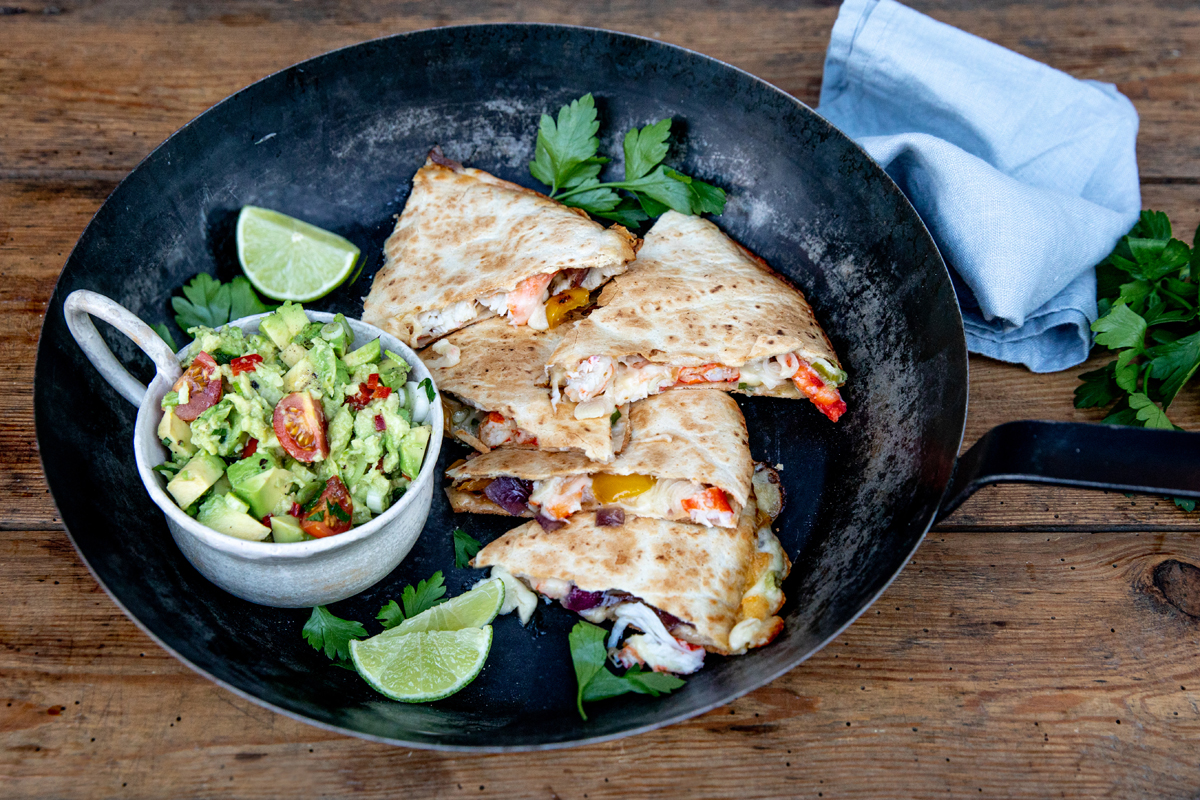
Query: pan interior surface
pixel 335 141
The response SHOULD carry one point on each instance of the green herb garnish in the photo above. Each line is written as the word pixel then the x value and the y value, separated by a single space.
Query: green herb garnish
pixel 1148 306
pixel 567 159
pixel 332 634
pixel 427 385
pixel 165 335
pixel 465 548
pixel 426 595
pixel 588 655
pixel 616 415
pixel 208 302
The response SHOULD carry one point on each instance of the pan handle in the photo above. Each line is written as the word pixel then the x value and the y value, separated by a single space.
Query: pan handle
pixel 1083 455
pixel 79 308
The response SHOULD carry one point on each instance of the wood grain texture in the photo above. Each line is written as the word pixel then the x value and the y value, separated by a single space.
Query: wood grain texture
pixel 121 77
pixel 1042 642
pixel 1010 664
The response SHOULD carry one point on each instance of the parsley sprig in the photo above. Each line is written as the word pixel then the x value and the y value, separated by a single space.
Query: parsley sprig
pixel 424 596
pixel 1148 303
pixel 331 634
pixel 588 654
pixel 567 159
pixel 466 547
pixel 209 302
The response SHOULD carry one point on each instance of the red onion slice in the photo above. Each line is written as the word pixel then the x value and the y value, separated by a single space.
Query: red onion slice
pixel 511 494
pixel 578 600
pixel 610 517
pixel 549 523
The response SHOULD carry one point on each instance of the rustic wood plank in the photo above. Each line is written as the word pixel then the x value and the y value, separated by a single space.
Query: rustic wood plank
pixel 120 78
pixel 999 662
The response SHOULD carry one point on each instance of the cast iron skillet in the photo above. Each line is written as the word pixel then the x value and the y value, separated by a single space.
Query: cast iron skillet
pixel 336 140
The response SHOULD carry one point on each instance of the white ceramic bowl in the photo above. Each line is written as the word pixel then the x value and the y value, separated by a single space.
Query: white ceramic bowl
pixel 292 575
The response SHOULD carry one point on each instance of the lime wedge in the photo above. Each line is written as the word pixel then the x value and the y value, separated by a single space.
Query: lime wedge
pixel 423 666
pixel 472 609
pixel 287 259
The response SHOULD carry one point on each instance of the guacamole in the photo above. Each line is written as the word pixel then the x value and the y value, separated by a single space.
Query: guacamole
pixel 289 434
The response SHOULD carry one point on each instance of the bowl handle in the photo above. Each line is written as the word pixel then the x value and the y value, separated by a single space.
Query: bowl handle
pixel 81 305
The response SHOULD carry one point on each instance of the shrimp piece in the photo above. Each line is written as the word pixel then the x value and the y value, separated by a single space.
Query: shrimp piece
pixel 524 299
pixel 823 395
pixel 709 508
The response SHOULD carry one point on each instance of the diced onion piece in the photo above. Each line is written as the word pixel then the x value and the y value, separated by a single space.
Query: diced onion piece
pixel 418 401
pixel 610 517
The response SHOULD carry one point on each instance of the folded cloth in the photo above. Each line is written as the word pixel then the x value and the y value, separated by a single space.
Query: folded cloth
pixel 1025 176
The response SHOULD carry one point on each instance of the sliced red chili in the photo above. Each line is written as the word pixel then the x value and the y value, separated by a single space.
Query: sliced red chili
pixel 251 447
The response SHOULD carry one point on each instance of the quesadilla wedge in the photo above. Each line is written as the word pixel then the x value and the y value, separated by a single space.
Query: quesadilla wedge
pixel 688 458
pixel 696 310
pixel 469 246
pixel 493 386
pixel 687 588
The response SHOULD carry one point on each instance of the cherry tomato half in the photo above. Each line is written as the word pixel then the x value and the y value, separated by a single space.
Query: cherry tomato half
pixel 332 513
pixel 299 423
pixel 203 379
pixel 245 363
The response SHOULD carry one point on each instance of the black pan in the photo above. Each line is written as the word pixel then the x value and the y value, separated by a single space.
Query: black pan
pixel 335 140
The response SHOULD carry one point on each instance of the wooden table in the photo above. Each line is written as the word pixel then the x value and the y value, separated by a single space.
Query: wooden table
pixel 1042 643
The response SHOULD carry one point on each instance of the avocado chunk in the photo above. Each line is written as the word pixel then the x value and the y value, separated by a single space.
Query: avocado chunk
pixel 195 478
pixel 369 353
pixel 393 371
pixel 287 321
pixel 226 513
pixel 176 435
pixel 324 365
pixel 299 376
pixel 412 450
pixel 292 353
pixel 286 529
pixel 260 482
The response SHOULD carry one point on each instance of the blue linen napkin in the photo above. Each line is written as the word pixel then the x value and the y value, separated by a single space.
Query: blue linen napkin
pixel 1025 176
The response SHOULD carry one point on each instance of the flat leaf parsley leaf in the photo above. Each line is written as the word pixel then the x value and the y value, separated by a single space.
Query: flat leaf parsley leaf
pixel 465 548
pixel 567 159
pixel 1149 303
pixel 427 594
pixel 588 655
pixel 208 302
pixel 332 634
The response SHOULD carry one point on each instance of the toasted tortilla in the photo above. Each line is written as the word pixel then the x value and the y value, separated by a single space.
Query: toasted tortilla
pixel 501 369
pixel 465 235
pixel 695 297
pixel 694 436
pixel 706 577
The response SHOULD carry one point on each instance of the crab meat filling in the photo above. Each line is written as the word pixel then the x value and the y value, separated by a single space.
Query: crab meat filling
pixel 496 429
pixel 655 647
pixel 559 498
